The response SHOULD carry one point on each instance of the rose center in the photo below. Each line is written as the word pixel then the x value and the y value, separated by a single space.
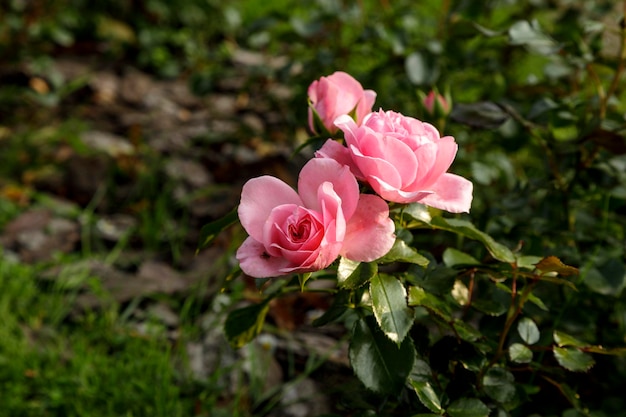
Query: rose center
pixel 300 231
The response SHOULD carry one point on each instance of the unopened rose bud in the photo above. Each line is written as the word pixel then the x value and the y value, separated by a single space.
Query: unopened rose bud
pixel 436 105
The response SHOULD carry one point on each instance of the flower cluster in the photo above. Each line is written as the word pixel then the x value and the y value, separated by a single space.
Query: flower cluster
pixel 402 159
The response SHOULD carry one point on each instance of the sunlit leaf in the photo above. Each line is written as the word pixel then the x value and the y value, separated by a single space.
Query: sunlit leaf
pixel 528 262
pixel 468 407
pixel 427 396
pixel 554 264
pixel 352 274
pixel 401 252
pixel 564 339
pixel 379 363
pixel 389 303
pixel 573 359
pixel 418 212
pixel 528 330
pixel 520 353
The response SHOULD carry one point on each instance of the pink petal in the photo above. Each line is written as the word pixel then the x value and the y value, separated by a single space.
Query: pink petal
pixel 446 151
pixel 334 150
pixel 333 214
pixel 400 167
pixel 452 193
pixel 365 105
pixel 259 196
pixel 349 128
pixel 348 92
pixel 369 233
pixel 255 262
pixel 390 193
pixel 319 171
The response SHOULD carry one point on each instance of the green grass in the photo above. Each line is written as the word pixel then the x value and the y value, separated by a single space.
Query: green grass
pixel 89 366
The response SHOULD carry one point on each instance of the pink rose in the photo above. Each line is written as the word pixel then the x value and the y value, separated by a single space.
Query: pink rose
pixel 305 231
pixel 403 160
pixel 336 95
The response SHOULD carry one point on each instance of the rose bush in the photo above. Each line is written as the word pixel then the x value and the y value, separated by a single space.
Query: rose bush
pixel 410 313
pixel 403 159
pixel 296 232
pixel 336 95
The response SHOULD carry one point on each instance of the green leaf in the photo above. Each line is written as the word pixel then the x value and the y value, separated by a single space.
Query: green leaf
pixel 532 297
pixel 389 303
pixel 491 307
pixel 419 297
pixel 436 279
pixel 465 331
pixel 209 231
pixel 607 279
pixel 427 396
pixel 520 353
pixel 482 114
pixel 468 407
pixel 417 211
pixel 421 371
pixel 528 331
pixel 537 301
pixel 303 278
pixel 401 252
pixel 573 359
pixel 529 34
pixel 244 324
pixel 528 262
pixel 453 257
pixel 416 68
pixel 498 384
pixel 352 274
pixel 378 362
pixel 467 229
pixel 553 264
pixel 564 339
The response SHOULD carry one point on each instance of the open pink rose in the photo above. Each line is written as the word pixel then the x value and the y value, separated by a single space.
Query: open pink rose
pixel 403 159
pixel 335 95
pixel 305 231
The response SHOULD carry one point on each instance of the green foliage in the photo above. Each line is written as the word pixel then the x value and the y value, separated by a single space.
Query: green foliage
pixel 380 364
pixel 538 116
